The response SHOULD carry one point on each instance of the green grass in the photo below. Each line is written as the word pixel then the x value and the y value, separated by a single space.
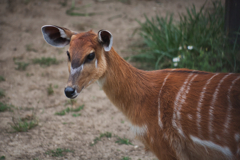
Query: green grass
pixel 20 125
pixel 76 114
pixel 5 107
pixel 2 93
pixel 68 109
pixel 50 90
pixel 126 158
pixel 2 78
pixel 2 158
pixel 59 152
pixel 123 141
pixel 78 109
pixel 106 134
pixel 21 66
pixel 198 40
pixel 45 61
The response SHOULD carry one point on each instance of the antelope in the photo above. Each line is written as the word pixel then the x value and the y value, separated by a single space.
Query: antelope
pixel 176 113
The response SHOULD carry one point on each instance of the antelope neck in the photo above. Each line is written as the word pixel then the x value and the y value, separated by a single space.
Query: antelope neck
pixel 125 85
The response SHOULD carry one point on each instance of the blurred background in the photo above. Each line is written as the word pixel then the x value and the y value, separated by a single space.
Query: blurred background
pixel 38 122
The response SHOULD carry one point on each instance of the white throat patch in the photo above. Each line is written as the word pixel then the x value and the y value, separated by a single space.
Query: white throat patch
pixel 139 131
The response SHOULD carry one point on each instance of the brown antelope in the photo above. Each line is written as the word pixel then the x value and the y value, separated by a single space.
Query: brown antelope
pixel 176 113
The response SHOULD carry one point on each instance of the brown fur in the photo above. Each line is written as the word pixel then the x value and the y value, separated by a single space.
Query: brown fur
pixel 136 92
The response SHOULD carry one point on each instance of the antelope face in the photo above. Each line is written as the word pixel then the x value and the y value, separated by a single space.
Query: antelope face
pixel 86 60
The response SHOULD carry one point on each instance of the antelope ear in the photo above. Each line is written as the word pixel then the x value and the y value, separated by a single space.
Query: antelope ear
pixel 106 39
pixel 57 36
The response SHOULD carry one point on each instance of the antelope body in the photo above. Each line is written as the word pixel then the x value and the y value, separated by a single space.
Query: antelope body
pixel 176 113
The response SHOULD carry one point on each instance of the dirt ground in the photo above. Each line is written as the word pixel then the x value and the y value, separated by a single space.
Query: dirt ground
pixel 21 39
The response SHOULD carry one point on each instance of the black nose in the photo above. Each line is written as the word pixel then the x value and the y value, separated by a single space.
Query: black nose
pixel 69 92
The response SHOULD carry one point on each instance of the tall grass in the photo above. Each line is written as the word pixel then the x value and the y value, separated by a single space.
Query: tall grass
pixel 197 41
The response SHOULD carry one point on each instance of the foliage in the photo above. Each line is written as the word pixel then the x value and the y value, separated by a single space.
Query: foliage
pixel 23 125
pixel 106 134
pixel 123 141
pixel 126 158
pixel 2 158
pixel 71 11
pixel 2 78
pixel 68 109
pixel 45 61
pixel 50 90
pixel 59 152
pixel 198 42
pixel 2 93
pixel 5 107
pixel 22 66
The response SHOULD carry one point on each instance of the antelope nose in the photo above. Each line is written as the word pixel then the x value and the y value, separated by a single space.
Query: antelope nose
pixel 69 92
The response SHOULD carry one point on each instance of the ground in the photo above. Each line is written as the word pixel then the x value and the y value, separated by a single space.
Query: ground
pixel 21 41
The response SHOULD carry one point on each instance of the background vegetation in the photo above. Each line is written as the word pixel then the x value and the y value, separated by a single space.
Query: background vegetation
pixel 198 41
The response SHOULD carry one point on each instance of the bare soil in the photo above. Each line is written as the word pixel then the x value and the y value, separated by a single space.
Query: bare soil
pixel 21 40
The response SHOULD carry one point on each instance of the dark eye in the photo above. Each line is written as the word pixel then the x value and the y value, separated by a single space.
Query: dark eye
pixel 68 56
pixel 90 57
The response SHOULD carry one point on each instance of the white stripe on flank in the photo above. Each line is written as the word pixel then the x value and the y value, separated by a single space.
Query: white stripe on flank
pixel 184 96
pixel 75 70
pixel 176 103
pixel 199 107
pixel 228 118
pixel 237 137
pixel 223 149
pixel 159 113
pixel 211 109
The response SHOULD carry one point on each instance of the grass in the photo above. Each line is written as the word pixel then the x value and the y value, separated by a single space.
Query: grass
pixel 21 66
pixel 2 79
pixel 45 61
pixel 23 125
pixel 123 141
pixel 29 48
pixel 50 90
pixel 2 158
pixel 70 102
pixel 125 158
pixel 197 41
pixel 72 11
pixel 5 107
pixel 76 114
pixel 2 93
pixel 59 152
pixel 106 134
pixel 68 109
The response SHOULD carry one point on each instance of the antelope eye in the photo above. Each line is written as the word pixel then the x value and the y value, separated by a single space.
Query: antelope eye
pixel 90 57
pixel 68 56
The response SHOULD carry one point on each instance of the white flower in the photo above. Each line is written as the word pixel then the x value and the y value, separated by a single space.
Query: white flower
pixel 176 59
pixel 180 48
pixel 189 47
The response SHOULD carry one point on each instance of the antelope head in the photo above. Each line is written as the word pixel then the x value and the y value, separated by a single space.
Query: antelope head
pixel 86 60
